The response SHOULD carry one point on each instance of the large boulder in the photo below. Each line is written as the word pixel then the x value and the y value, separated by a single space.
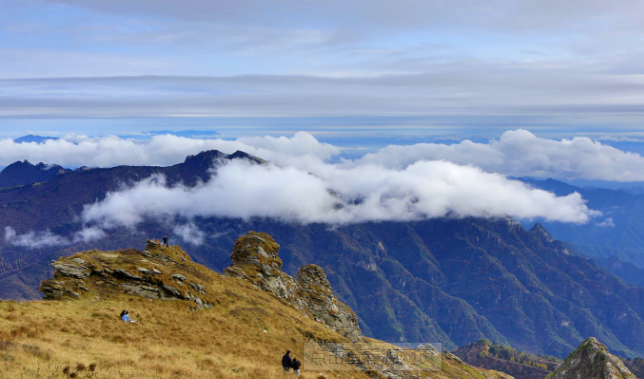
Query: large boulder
pixel 255 258
pixel 592 360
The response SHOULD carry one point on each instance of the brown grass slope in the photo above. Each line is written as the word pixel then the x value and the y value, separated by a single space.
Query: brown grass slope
pixel 243 334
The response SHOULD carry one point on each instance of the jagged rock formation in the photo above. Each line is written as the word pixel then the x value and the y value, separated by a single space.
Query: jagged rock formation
pixel 592 360
pixel 159 272
pixel 255 258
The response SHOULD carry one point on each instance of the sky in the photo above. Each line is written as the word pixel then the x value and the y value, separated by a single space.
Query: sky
pixel 367 110
pixel 401 70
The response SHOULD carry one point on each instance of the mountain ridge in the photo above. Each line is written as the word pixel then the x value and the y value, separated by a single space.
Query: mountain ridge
pixel 451 281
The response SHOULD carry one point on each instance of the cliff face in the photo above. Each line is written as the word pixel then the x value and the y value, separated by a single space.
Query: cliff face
pixel 592 360
pixel 255 258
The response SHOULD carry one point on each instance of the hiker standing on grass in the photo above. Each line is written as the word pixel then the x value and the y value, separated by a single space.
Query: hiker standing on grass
pixel 165 241
pixel 287 362
pixel 296 366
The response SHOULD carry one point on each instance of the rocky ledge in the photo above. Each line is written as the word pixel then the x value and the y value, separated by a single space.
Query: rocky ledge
pixel 159 272
pixel 255 258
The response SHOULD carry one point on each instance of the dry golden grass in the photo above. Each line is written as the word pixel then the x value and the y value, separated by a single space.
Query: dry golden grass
pixel 244 335
pixel 40 339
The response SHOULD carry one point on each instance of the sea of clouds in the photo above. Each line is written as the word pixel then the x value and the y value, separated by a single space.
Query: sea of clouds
pixel 307 181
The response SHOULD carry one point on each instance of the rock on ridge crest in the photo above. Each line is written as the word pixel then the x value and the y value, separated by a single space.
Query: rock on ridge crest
pixel 592 360
pixel 255 259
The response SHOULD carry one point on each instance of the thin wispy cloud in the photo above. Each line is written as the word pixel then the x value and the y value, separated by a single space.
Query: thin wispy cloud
pixel 567 64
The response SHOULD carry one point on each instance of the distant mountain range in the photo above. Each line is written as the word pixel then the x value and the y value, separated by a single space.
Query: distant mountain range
pixel 618 235
pixel 33 138
pixel 452 281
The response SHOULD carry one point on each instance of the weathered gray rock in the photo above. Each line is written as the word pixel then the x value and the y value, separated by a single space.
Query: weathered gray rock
pixel 126 275
pixel 73 270
pixel 197 287
pixel 171 291
pixel 95 272
pixel 255 258
pixel 318 298
pixel 592 360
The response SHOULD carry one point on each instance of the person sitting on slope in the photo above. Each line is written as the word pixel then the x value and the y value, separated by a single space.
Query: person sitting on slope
pixel 125 316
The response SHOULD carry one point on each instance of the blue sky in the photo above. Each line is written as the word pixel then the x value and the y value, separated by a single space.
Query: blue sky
pixel 398 70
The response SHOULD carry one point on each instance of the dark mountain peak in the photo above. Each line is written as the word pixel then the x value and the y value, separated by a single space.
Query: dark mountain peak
pixel 540 231
pixel 592 360
pixel 25 163
pixel 24 172
pixel 243 155
pixel 208 154
pixel 28 165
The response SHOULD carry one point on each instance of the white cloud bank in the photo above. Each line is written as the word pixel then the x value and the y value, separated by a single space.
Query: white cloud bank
pixel 338 196
pixel 162 150
pixel 516 153
pixel 521 153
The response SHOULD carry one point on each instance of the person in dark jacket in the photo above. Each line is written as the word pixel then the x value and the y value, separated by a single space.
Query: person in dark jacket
pixel 165 240
pixel 287 362
pixel 296 366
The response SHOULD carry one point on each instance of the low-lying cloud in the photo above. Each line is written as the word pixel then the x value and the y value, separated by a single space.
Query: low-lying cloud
pixel 335 195
pixel 42 239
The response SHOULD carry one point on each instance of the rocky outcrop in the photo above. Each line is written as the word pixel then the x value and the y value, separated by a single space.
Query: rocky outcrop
pixel 165 273
pixel 520 365
pixel 592 360
pixel 255 258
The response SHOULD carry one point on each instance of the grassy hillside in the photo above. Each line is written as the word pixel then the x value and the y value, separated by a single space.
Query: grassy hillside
pixel 243 335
